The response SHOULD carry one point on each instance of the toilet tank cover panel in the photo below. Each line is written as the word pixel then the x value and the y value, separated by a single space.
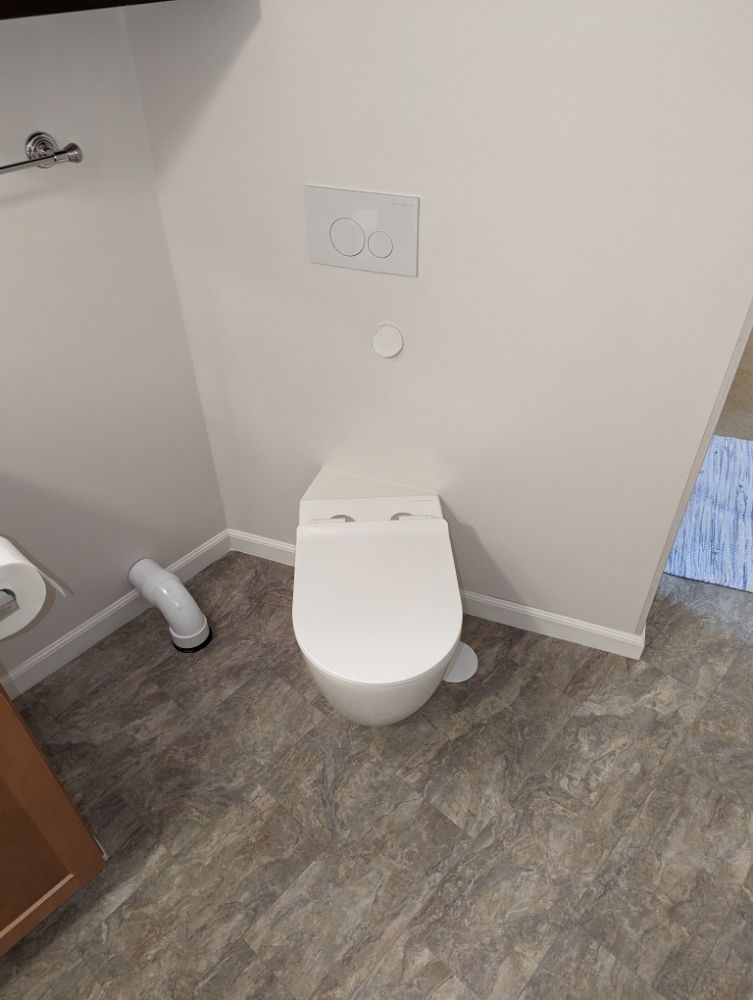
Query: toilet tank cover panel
pixel 376 602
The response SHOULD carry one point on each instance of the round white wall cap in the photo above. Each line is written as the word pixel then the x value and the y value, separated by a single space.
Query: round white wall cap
pixel 347 237
pixel 387 341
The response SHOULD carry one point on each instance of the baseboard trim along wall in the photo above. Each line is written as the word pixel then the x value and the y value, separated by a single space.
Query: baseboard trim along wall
pixel 265 548
pixel 610 640
pixel 99 626
pixel 78 640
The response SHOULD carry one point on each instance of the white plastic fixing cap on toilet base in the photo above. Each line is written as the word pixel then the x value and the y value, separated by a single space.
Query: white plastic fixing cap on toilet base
pixel 463 665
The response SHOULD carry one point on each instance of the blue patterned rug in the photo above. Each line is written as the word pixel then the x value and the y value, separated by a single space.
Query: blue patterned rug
pixel 715 540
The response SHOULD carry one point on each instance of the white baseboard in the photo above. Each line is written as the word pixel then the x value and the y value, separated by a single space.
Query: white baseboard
pixel 610 640
pixel 44 663
pixel 494 609
pixel 265 548
pixel 39 666
pixel 202 556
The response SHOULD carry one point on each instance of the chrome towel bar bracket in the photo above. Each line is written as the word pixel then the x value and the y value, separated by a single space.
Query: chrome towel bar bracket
pixel 43 151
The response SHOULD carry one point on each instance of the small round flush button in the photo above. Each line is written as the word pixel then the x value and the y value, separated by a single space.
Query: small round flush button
pixel 347 237
pixel 380 244
pixel 387 341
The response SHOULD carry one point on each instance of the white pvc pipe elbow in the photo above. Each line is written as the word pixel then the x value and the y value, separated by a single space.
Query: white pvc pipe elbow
pixel 189 628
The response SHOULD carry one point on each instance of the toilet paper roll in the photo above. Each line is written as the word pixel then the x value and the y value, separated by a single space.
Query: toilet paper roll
pixel 25 583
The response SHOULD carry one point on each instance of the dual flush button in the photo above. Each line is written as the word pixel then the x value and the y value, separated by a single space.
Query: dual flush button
pixel 348 238
pixel 362 230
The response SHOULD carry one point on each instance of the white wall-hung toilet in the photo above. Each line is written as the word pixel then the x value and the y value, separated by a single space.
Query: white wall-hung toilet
pixel 376 602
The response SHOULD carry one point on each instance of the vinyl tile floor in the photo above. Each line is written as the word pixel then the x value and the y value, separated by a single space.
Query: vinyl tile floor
pixel 567 824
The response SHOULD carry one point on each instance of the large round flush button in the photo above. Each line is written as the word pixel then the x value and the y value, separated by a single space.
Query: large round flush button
pixel 347 237
pixel 380 244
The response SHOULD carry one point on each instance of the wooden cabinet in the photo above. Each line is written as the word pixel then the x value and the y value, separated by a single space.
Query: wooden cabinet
pixel 31 8
pixel 46 850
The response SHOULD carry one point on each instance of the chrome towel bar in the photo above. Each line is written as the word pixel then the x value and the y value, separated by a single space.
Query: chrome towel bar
pixel 43 151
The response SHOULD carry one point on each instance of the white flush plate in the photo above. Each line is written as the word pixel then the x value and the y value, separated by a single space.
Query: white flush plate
pixel 362 230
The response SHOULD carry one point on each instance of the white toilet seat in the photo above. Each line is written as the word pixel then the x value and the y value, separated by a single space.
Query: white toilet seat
pixel 392 582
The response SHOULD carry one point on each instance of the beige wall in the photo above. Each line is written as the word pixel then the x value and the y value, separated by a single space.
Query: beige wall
pixel 103 454
pixel 586 262
pixel 586 265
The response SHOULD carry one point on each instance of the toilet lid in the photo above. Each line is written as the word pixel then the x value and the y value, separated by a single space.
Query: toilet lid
pixel 376 602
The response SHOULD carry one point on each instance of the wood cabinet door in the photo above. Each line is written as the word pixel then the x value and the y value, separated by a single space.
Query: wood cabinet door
pixel 46 850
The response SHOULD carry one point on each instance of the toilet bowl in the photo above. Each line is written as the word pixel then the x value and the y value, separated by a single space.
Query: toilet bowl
pixel 376 602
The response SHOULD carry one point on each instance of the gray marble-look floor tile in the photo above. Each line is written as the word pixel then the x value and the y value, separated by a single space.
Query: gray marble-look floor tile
pixel 722 608
pixel 615 742
pixel 75 761
pixel 490 642
pixel 719 745
pixel 158 978
pixel 695 658
pixel 186 787
pixel 263 717
pixel 182 912
pixel 76 982
pixel 281 656
pixel 409 971
pixel 609 804
pixel 326 778
pixel 119 722
pixel 38 962
pixel 470 768
pixel 243 597
pixel 273 604
pixel 132 650
pixel 728 972
pixel 697 631
pixel 341 913
pixel 203 901
pixel 567 666
pixel 225 591
pixel 240 975
pixel 201 681
pixel 577 967
pixel 136 863
pixel 112 821
pixel 660 902
pixel 737 683
pixel 184 920
pixel 501 906
pixel 34 966
pixel 180 793
pixel 484 635
pixel 261 847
